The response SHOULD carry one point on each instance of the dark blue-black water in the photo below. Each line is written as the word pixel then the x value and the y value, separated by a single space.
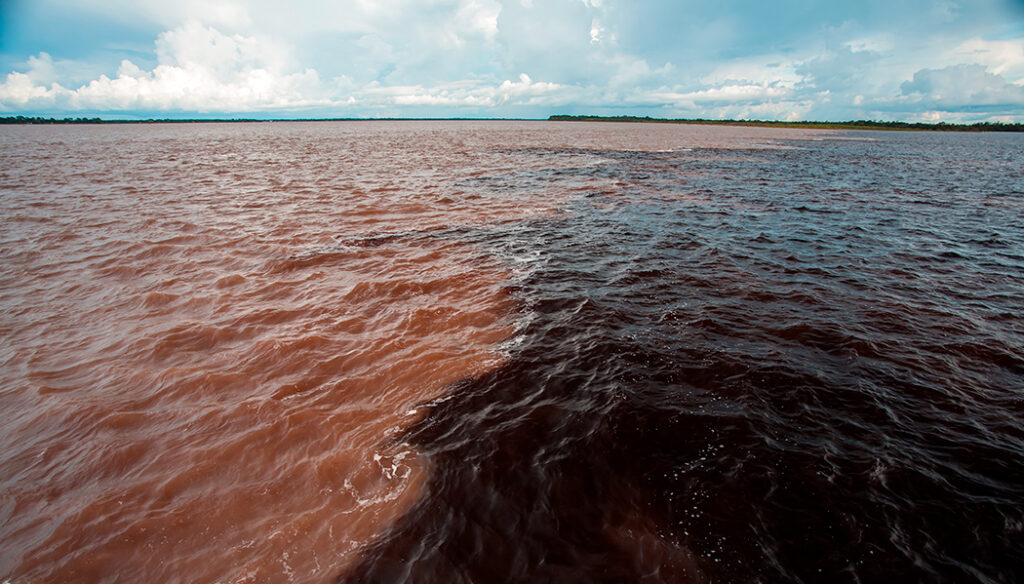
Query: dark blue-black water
pixel 802 364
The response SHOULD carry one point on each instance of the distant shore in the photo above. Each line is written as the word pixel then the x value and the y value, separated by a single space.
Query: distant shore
pixel 848 125
pixel 37 120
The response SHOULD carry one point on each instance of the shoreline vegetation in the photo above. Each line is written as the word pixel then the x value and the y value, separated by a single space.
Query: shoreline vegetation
pixel 848 125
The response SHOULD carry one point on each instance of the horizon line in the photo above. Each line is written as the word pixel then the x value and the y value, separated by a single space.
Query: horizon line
pixel 22 119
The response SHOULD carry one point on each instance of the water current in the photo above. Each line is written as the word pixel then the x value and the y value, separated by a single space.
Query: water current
pixel 510 352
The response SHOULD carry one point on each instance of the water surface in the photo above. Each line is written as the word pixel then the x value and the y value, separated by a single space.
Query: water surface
pixel 510 351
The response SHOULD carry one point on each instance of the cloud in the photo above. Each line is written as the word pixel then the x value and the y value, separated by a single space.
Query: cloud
pixel 746 93
pixel 960 87
pixel 43 69
pixel 200 69
pixel 770 69
pixel 19 91
pixel 1003 57
pixel 478 18
pixel 195 45
pixel 433 57
pixel 842 69
pixel 525 91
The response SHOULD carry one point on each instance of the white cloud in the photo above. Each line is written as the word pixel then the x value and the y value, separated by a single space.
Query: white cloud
pixel 478 18
pixel 882 43
pixel 1000 57
pixel 525 91
pixel 42 69
pixel 846 68
pixel 628 72
pixel 961 86
pixel 195 45
pixel 596 31
pixel 20 91
pixel 200 69
pixel 734 93
pixel 224 13
pixel 760 70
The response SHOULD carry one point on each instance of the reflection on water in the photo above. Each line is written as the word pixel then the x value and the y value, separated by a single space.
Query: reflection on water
pixel 509 351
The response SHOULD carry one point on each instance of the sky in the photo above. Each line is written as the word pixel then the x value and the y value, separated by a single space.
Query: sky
pixel 906 60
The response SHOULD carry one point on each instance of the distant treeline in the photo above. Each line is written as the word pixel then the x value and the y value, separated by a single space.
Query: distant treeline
pixel 852 125
pixel 24 120
pixel 39 120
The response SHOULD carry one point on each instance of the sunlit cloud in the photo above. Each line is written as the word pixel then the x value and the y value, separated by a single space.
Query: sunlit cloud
pixel 1002 57
pixel 200 69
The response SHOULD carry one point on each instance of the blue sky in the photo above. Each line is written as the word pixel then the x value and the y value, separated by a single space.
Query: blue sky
pixel 912 60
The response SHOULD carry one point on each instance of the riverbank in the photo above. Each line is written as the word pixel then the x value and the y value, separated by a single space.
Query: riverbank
pixel 848 125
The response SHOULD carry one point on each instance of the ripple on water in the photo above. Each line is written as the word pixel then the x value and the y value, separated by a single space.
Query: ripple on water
pixel 509 352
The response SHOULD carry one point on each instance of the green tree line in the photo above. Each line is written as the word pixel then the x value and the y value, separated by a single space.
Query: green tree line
pixel 855 125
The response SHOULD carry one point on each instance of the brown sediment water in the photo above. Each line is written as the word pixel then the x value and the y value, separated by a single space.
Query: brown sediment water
pixel 508 352
pixel 237 420
pixel 211 333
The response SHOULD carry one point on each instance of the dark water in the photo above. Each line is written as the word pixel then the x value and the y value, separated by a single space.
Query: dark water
pixel 802 364
pixel 510 352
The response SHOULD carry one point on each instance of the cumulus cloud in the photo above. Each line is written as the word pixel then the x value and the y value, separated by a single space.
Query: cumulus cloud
pixel 726 94
pixel 841 69
pixel 195 45
pixel 962 86
pixel 42 69
pixel 736 101
pixel 771 69
pixel 1002 57
pixel 525 91
pixel 200 69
